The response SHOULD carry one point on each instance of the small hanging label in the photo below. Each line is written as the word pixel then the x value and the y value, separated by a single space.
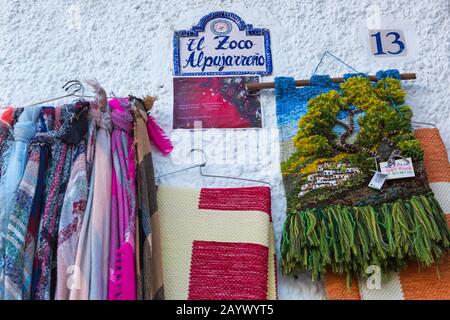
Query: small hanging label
pixel 378 180
pixel 401 168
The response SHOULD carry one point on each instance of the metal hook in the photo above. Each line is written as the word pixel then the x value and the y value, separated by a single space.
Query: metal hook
pixel 222 177
pixel 75 81
pixel 203 164
pixel 424 123
pixel 68 85
pixel 79 87
pixel 188 168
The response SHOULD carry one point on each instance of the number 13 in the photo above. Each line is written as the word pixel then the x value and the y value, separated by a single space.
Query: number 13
pixel 397 41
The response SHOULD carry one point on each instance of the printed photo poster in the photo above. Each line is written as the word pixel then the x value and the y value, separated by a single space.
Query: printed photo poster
pixel 215 102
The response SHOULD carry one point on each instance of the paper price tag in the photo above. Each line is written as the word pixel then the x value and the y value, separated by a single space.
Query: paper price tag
pixel 378 180
pixel 402 168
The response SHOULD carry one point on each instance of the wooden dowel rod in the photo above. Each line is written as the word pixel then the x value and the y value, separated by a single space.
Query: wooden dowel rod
pixel 303 83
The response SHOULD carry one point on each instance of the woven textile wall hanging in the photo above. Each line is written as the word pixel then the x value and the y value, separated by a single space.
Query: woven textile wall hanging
pixel 414 282
pixel 217 243
pixel 335 222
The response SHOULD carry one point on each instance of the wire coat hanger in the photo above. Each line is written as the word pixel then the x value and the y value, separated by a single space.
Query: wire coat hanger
pixel 66 87
pixel 77 85
pixel 203 164
pixel 424 123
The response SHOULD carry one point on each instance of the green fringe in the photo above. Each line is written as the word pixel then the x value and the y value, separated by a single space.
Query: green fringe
pixel 349 239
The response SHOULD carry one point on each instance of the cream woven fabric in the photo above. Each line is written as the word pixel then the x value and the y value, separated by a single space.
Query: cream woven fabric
pixel 183 224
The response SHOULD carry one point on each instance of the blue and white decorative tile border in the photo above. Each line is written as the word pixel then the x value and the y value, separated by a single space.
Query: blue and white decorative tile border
pixel 222 44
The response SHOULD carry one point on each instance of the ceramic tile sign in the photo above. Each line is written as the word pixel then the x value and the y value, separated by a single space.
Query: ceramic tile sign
pixel 222 44
pixel 215 102
pixel 387 43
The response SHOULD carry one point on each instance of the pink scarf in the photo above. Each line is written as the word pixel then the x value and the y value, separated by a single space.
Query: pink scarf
pixel 122 271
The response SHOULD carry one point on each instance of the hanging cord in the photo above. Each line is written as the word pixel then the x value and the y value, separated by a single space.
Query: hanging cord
pixel 386 87
pixel 333 56
pixel 396 154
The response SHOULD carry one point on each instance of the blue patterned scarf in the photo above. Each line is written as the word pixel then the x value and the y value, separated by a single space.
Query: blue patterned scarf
pixel 24 130
pixel 20 216
pixel 74 118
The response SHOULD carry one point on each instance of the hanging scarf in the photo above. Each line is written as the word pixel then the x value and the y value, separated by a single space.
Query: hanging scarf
pixel 46 141
pixel 7 115
pixel 24 130
pixel 217 243
pixel 101 211
pixel 158 137
pixel 18 223
pixel 122 275
pixel 149 266
pixel 6 137
pixel 79 286
pixel 71 219
pixel 335 222
pixel 74 118
pixel 93 250
pixel 93 247
pixel 6 121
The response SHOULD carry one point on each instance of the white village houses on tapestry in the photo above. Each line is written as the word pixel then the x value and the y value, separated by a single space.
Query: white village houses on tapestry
pixel 328 174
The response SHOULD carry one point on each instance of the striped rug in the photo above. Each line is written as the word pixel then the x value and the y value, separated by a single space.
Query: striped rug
pixel 217 243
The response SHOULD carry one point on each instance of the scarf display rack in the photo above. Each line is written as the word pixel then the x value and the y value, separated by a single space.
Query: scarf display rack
pixel 79 199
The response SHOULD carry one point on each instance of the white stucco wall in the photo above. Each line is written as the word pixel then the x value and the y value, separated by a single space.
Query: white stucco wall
pixel 127 46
